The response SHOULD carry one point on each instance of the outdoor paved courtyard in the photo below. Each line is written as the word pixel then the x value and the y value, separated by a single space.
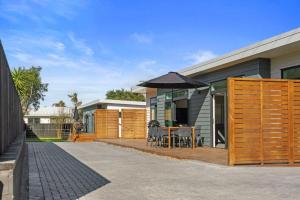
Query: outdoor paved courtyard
pixel 101 171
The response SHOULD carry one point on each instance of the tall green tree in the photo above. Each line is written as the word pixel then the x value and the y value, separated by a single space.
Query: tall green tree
pixel 29 85
pixel 61 103
pixel 123 94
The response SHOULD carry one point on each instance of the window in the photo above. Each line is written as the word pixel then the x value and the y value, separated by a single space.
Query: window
pixel 32 121
pixel 291 73
pixel 180 93
pixel 177 94
pixel 153 101
pixel 153 108
pixel 45 120
pixel 219 85
pixel 153 111
pixel 168 111
pixel 168 95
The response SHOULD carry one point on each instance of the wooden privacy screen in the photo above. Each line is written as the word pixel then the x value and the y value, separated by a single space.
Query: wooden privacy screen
pixel 133 123
pixel 263 121
pixel 106 123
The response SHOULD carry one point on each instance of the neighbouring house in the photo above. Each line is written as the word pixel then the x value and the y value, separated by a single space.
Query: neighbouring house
pixel 88 110
pixel 206 108
pixel 48 115
pixel 49 121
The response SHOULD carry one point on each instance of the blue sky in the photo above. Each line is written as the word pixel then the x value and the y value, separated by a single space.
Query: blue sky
pixel 90 46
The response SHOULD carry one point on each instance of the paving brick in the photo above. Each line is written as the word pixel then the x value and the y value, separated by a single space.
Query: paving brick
pixel 55 174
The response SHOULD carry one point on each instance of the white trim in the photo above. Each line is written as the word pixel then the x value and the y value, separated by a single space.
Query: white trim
pixel 112 102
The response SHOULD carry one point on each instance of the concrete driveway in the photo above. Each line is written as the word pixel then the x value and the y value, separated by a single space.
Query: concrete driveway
pixel 131 174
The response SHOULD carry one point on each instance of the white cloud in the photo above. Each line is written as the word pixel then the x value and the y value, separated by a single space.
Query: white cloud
pixel 67 72
pixel 40 11
pixel 22 41
pixel 80 44
pixel 142 38
pixel 200 56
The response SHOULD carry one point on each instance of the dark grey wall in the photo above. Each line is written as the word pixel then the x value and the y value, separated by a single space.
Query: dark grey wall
pixel 199 113
pixel 259 68
pixel 11 117
pixel 11 135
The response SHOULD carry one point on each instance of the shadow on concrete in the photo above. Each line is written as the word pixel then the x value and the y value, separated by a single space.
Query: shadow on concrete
pixel 55 174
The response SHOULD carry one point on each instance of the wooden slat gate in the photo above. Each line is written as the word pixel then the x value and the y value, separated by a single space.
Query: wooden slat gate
pixel 133 123
pixel 106 123
pixel 263 121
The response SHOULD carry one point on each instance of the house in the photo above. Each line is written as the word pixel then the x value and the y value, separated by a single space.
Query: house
pixel 88 110
pixel 48 115
pixel 49 122
pixel 206 108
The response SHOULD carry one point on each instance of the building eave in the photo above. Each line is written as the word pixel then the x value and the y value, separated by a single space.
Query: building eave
pixel 113 102
pixel 268 48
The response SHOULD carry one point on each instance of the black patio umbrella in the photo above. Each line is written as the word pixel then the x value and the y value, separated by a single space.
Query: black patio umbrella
pixel 172 80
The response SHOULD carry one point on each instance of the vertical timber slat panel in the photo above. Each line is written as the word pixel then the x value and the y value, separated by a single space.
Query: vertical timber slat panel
pixel 263 121
pixel 261 98
pixel 134 123
pixel 106 124
pixel 231 151
pixel 291 121
pixel 275 121
pixel 296 121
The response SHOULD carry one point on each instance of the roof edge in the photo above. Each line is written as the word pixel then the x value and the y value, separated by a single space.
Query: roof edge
pixel 197 67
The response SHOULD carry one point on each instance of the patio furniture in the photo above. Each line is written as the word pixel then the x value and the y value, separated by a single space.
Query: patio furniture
pixel 171 133
pixel 184 135
pixel 162 136
pixel 152 135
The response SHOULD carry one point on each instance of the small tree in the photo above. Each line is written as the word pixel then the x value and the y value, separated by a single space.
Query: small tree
pixel 123 94
pixel 74 99
pixel 61 103
pixel 29 85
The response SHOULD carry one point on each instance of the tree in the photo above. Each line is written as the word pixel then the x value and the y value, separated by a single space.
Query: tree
pixel 123 94
pixel 61 103
pixel 29 85
pixel 74 99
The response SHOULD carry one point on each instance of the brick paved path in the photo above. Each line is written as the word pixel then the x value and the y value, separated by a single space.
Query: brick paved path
pixel 55 174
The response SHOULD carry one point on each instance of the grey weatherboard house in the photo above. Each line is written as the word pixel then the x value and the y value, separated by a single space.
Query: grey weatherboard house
pixel 206 108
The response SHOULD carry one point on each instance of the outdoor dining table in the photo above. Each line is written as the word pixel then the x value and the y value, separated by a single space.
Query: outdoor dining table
pixel 173 128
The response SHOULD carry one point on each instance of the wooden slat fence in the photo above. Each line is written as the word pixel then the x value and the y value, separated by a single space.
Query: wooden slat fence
pixel 263 121
pixel 134 123
pixel 11 117
pixel 106 123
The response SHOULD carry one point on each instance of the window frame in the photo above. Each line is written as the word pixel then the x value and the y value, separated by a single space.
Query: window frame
pixel 288 68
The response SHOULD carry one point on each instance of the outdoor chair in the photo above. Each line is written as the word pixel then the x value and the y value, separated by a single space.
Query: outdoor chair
pixel 152 135
pixel 184 135
pixel 199 139
pixel 162 136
